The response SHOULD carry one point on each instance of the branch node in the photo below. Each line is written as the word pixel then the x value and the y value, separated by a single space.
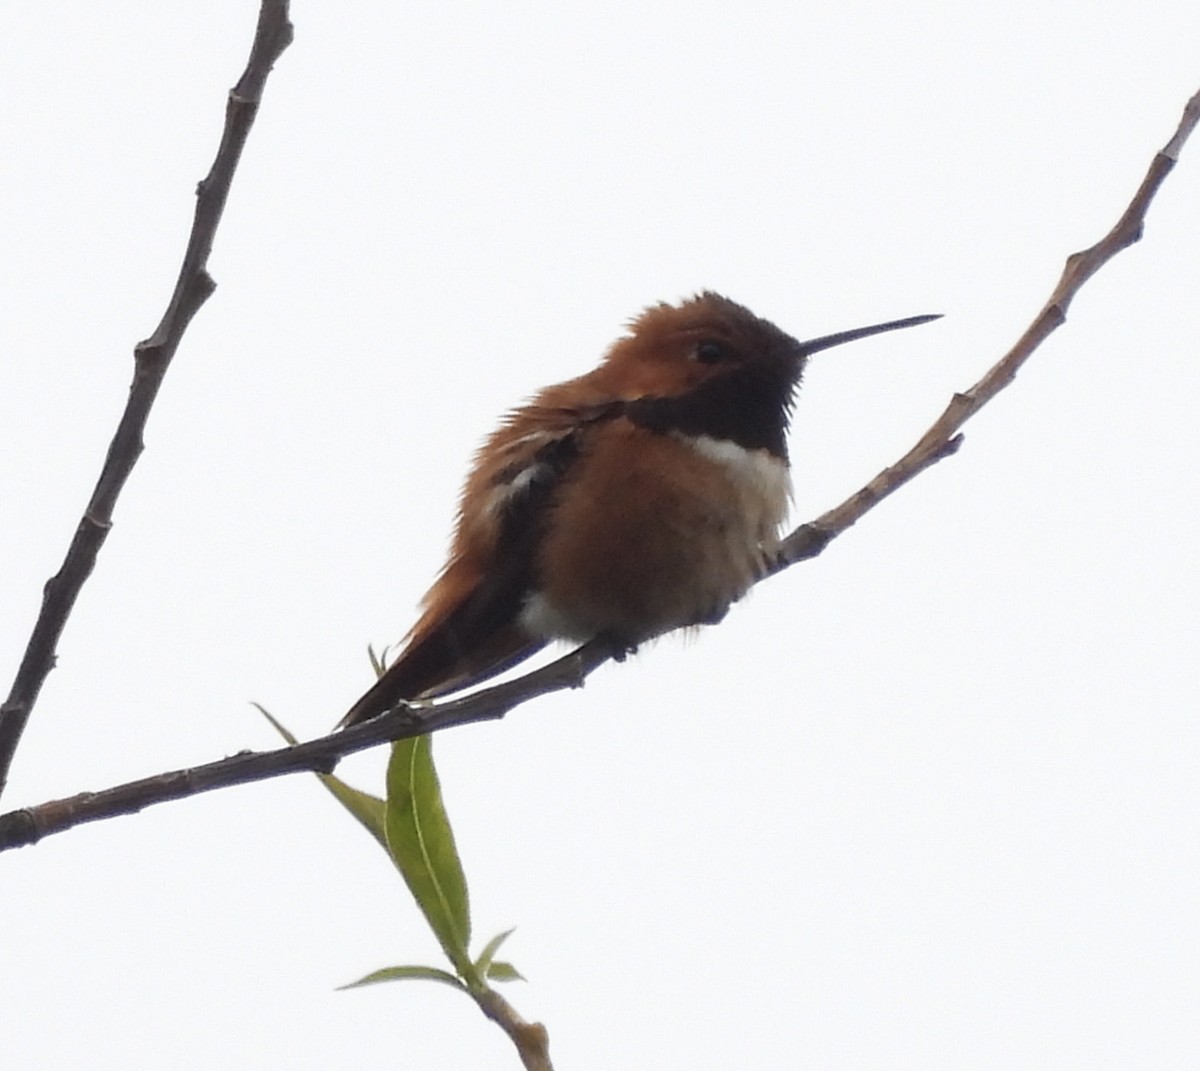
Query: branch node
pixel 203 286
pixel 1191 116
pixel 951 445
pixel 147 353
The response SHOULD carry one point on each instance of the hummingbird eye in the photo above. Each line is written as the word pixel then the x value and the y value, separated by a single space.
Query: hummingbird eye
pixel 711 352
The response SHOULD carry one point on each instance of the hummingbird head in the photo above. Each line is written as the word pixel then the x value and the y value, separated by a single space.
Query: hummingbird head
pixel 709 366
pixel 673 349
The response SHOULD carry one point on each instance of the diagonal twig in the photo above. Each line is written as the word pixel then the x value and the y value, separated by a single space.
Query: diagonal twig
pixel 152 357
pixel 31 824
pixel 531 1039
pixel 943 439
pixel 27 826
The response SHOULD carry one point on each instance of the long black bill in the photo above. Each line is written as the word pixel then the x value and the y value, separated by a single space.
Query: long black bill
pixel 828 341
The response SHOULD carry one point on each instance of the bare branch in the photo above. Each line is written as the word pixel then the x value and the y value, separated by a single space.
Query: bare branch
pixel 151 360
pixel 27 826
pixel 943 439
pixel 31 824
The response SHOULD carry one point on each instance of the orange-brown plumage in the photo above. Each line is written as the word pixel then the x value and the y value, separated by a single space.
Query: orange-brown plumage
pixel 690 539
pixel 641 497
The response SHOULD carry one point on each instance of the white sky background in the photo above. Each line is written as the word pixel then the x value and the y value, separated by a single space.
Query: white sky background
pixel 930 801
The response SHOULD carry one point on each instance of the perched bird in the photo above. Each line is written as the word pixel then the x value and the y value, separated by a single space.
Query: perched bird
pixel 642 497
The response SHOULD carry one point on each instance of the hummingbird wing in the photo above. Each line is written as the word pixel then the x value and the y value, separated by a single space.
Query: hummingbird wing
pixel 470 629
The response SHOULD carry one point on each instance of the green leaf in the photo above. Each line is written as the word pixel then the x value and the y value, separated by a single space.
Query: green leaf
pixel 378 661
pixel 395 974
pixel 484 960
pixel 500 971
pixel 421 843
pixel 280 728
pixel 368 809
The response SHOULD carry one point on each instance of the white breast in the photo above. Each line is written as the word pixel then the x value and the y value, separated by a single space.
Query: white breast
pixel 756 473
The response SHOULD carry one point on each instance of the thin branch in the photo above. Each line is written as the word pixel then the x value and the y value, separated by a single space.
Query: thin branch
pixel 531 1039
pixel 151 360
pixel 943 439
pixel 31 824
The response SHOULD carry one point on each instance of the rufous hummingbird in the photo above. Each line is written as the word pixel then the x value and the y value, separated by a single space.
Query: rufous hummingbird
pixel 645 496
